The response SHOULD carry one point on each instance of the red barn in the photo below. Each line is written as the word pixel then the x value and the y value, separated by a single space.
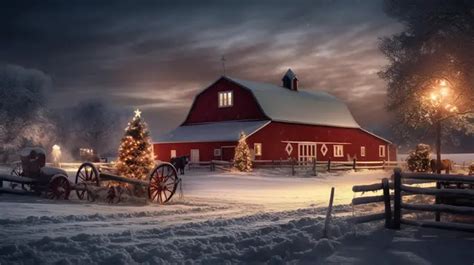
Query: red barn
pixel 280 122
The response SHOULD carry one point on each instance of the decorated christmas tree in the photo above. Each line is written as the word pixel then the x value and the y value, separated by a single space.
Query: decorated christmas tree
pixel 419 159
pixel 135 153
pixel 242 157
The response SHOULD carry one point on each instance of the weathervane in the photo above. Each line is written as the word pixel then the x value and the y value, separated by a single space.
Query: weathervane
pixel 223 64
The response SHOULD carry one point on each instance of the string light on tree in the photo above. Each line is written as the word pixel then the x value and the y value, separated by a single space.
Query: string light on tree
pixel 136 158
pixel 242 156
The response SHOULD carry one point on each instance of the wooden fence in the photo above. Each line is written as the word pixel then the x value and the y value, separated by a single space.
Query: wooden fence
pixel 313 166
pixel 449 188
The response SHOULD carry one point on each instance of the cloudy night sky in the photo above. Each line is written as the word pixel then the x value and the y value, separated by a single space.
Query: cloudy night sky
pixel 156 55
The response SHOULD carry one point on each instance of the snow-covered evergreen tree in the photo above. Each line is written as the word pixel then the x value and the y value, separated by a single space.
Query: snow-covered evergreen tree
pixel 419 160
pixel 135 153
pixel 242 156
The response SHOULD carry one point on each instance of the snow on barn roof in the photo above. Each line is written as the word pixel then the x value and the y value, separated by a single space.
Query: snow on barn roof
pixel 228 131
pixel 306 107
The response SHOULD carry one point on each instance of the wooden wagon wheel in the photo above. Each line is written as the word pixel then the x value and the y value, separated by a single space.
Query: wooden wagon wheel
pixel 87 174
pixel 58 187
pixel 163 181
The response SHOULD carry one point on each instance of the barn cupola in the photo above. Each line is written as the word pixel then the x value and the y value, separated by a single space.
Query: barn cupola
pixel 290 80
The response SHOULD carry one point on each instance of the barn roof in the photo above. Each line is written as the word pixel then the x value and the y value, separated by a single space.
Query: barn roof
pixel 306 107
pixel 228 131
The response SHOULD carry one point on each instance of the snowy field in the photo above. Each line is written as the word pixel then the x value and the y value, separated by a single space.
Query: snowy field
pixel 224 218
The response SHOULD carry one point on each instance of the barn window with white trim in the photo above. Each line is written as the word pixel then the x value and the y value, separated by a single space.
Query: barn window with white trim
pixel 381 150
pixel 217 152
pixel 226 99
pixel 257 148
pixel 338 150
pixel 362 151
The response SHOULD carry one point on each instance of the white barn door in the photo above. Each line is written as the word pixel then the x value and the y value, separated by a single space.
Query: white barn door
pixel 306 153
pixel 194 156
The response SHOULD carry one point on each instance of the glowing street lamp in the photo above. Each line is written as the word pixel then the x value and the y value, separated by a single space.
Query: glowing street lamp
pixel 56 153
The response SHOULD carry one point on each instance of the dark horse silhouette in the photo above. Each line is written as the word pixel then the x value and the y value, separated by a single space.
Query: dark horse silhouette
pixel 446 165
pixel 180 162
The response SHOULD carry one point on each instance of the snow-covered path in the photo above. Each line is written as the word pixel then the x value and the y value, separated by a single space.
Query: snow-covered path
pixel 275 189
pixel 262 217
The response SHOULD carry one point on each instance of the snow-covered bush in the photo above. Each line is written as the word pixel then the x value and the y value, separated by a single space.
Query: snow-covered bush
pixel 419 159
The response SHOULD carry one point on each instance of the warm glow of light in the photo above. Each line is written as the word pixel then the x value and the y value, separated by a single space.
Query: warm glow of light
pixel 137 113
pixel 442 83
pixel 444 91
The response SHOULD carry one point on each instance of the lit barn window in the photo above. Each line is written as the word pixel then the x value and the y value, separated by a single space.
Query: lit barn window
pixel 226 99
pixel 173 153
pixel 338 151
pixel 382 150
pixel 362 151
pixel 257 148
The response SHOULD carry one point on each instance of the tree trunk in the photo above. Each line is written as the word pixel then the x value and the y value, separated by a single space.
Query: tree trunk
pixel 438 165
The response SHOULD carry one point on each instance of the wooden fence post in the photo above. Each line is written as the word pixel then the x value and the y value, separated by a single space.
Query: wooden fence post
pixel 329 165
pixel 397 201
pixel 328 214
pixel 354 164
pixel 293 162
pixel 437 201
pixel 383 164
pixel 315 173
pixel 388 207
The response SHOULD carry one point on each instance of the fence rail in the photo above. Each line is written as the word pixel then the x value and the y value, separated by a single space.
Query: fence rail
pixel 312 166
pixel 401 187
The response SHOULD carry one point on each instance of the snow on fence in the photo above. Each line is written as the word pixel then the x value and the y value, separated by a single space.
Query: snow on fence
pixel 312 166
pixel 463 189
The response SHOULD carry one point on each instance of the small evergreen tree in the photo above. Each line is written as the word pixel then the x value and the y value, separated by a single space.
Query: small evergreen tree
pixel 135 153
pixel 419 160
pixel 242 156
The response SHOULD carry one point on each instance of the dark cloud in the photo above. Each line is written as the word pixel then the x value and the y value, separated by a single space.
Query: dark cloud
pixel 158 54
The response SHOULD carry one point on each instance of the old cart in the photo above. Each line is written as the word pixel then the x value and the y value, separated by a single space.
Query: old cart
pixel 159 186
pixel 31 176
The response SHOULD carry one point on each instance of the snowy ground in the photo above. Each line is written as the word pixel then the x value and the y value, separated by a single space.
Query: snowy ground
pixel 262 217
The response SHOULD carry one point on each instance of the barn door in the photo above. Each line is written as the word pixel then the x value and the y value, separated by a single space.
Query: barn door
pixel 306 153
pixel 228 152
pixel 194 155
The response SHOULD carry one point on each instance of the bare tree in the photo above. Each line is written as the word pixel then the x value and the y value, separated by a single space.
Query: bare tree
pixel 92 124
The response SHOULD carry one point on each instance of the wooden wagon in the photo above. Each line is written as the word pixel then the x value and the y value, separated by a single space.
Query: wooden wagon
pixel 160 185
pixel 31 176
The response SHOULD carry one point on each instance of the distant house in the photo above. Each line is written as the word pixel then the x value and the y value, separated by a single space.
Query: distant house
pixel 280 122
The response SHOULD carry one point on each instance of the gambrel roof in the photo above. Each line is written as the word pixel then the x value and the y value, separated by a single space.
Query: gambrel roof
pixel 303 106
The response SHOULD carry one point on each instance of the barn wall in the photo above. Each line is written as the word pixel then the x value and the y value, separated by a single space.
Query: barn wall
pixel 206 109
pixel 162 151
pixel 272 135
